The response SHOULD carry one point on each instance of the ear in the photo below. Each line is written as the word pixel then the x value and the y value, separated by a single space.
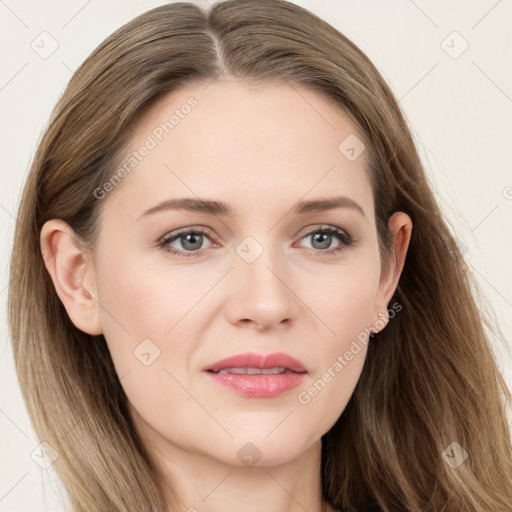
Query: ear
pixel 400 226
pixel 72 274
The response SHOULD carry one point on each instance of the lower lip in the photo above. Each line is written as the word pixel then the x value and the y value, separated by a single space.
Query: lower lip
pixel 262 386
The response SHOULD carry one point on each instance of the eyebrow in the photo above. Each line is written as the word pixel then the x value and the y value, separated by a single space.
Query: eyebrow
pixel 219 208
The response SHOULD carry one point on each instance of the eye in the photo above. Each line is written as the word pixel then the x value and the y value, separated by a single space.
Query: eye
pixel 190 240
pixel 321 239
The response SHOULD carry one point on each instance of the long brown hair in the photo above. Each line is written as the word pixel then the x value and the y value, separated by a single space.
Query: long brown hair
pixel 429 379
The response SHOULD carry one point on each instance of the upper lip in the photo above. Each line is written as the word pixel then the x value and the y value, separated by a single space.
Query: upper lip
pixel 254 360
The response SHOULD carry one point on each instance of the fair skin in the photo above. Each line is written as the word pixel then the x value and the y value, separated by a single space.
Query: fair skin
pixel 261 150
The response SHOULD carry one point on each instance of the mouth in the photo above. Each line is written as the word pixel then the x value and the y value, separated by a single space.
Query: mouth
pixel 257 375
pixel 252 363
pixel 277 370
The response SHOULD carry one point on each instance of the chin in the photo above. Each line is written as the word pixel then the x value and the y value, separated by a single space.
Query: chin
pixel 257 450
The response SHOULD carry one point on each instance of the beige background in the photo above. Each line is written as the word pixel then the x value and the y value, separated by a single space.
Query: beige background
pixel 459 108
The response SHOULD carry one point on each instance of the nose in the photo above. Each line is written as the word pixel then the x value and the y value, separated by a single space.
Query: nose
pixel 261 292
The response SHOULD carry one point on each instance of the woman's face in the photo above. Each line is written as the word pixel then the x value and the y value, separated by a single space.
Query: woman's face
pixel 264 278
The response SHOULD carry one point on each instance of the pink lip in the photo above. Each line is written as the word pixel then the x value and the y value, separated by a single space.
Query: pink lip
pixel 262 386
pixel 254 360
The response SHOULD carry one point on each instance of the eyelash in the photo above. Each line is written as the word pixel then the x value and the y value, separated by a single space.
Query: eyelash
pixel 342 236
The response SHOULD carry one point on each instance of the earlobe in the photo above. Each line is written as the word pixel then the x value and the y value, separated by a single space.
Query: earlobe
pixel 71 273
pixel 400 226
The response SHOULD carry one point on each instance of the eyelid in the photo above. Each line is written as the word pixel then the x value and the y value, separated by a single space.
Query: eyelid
pixel 346 238
pixel 322 227
pixel 177 233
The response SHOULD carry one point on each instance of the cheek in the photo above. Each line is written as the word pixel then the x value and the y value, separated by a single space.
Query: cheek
pixel 345 297
pixel 138 309
pixel 145 299
pixel 135 306
pixel 146 314
pixel 347 310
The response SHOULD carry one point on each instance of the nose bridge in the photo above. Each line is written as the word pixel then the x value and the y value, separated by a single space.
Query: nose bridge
pixel 259 261
pixel 262 292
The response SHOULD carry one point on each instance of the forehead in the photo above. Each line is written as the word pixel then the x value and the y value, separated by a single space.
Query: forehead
pixel 251 146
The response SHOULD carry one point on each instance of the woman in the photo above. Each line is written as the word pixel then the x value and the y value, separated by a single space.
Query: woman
pixel 236 287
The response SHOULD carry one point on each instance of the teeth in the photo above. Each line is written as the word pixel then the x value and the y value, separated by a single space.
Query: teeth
pixel 254 371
